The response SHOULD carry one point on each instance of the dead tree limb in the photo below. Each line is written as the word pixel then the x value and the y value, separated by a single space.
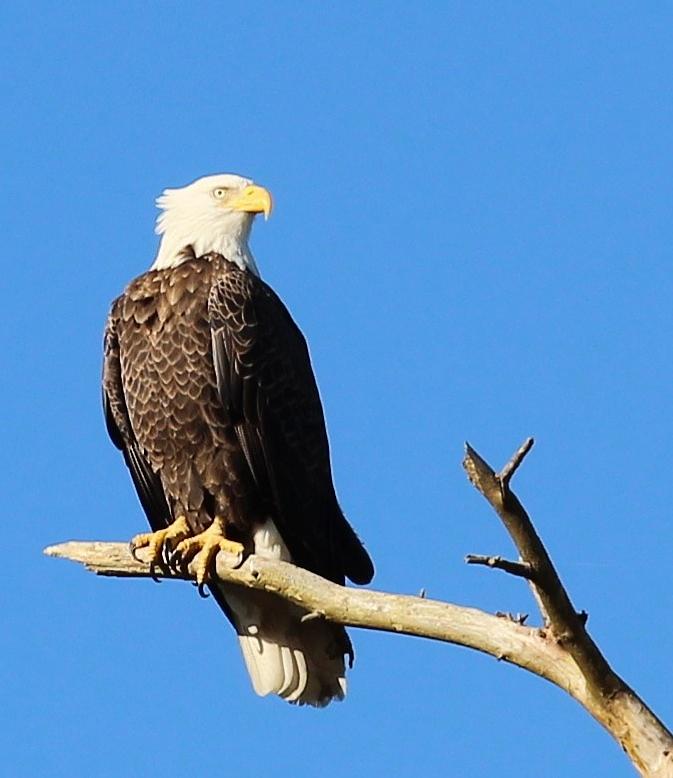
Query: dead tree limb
pixel 561 651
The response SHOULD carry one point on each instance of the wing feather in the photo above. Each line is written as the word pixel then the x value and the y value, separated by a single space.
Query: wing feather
pixel 147 483
pixel 266 382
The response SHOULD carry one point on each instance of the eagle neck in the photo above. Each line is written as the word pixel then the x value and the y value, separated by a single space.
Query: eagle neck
pixel 179 242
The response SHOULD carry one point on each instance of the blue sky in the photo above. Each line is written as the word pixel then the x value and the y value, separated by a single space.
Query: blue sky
pixel 473 228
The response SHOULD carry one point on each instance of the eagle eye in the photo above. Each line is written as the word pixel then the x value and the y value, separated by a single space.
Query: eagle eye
pixel 220 192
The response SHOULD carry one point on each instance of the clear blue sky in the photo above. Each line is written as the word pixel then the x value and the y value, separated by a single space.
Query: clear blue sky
pixel 473 228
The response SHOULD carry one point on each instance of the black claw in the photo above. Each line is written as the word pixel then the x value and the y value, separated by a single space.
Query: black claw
pixel 133 549
pixel 202 591
pixel 153 574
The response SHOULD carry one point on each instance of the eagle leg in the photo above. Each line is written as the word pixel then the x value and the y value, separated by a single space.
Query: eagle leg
pixel 203 548
pixel 161 543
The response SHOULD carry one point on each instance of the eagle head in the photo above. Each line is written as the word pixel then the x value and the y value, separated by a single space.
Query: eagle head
pixel 212 214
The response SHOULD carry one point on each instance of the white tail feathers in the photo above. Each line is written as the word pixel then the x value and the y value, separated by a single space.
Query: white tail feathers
pixel 302 662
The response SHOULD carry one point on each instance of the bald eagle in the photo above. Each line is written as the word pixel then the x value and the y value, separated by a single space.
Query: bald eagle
pixel 209 393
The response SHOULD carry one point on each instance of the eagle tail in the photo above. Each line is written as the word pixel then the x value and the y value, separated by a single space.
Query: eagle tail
pixel 301 662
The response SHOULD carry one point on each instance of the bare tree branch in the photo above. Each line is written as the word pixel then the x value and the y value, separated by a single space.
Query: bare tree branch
pixel 561 652
pixel 407 614
pixel 605 695
pixel 520 569
pixel 505 475
pixel 564 621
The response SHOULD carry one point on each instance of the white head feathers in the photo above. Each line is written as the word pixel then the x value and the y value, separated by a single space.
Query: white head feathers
pixel 214 213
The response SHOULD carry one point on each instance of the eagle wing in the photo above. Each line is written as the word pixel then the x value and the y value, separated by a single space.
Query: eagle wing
pixel 267 387
pixel 148 483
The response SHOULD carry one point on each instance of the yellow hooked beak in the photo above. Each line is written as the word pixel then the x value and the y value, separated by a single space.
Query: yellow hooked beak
pixel 252 199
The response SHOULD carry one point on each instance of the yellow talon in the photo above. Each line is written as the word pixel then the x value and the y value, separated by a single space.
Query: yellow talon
pixel 161 541
pixel 204 547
